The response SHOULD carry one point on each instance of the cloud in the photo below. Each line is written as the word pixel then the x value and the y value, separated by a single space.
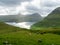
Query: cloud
pixel 50 3
pixel 48 6
pixel 43 7
pixel 13 7
pixel 12 2
pixel 25 7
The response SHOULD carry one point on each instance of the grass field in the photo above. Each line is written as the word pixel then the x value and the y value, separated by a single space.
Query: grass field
pixel 28 38
pixel 10 35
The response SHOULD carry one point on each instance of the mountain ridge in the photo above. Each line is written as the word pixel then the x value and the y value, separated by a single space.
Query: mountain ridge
pixel 51 21
pixel 20 18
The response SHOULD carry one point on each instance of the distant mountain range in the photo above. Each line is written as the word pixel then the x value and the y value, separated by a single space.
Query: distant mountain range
pixel 51 21
pixel 23 21
pixel 21 18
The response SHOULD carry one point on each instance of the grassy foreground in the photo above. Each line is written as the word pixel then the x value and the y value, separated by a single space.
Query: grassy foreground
pixel 10 35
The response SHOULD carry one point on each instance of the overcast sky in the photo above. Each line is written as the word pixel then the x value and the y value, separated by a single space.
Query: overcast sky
pixel 43 7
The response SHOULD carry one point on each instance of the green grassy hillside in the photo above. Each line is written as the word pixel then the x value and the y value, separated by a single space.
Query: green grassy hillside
pixel 10 35
pixel 51 21
pixel 5 28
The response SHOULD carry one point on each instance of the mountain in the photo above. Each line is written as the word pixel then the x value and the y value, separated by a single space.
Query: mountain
pixel 8 18
pixel 21 18
pixel 32 18
pixel 51 21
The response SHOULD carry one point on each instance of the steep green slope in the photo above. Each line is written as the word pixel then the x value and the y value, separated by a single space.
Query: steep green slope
pixel 51 21
pixel 5 28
